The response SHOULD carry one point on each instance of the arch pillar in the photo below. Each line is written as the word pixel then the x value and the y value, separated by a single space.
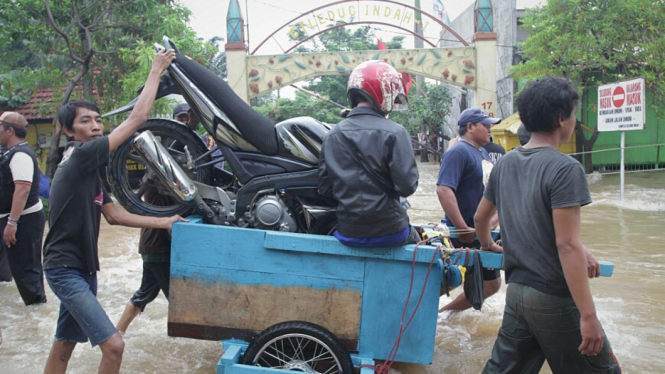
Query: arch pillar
pixel 236 65
pixel 236 51
pixel 485 98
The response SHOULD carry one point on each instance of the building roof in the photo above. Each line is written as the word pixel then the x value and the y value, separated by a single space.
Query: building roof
pixel 40 108
pixel 510 123
pixel 37 109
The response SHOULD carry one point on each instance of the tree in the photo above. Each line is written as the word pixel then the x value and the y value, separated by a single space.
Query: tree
pixel 24 50
pixel 217 63
pixel 594 42
pixel 303 105
pixel 99 50
pixel 428 109
pixel 331 87
pixel 343 39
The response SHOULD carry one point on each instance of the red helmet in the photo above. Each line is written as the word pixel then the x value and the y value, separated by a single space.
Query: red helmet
pixel 379 83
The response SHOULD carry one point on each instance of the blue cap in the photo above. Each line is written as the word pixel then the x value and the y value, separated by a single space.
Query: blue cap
pixel 180 109
pixel 475 115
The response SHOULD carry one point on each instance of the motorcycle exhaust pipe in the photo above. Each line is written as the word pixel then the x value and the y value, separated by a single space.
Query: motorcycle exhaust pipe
pixel 172 175
pixel 166 167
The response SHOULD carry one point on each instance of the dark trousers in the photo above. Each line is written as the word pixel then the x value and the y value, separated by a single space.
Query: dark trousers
pixel 156 277
pixel 25 257
pixel 538 327
pixel 5 272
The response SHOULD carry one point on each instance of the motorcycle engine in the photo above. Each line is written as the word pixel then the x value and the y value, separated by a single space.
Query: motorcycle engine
pixel 270 213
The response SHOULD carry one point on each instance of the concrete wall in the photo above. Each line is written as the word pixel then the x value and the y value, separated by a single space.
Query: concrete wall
pixel 505 25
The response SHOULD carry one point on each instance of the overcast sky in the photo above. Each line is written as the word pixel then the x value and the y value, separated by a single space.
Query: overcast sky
pixel 265 16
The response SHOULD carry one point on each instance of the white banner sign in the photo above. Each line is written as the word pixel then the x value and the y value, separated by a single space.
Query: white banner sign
pixel 621 106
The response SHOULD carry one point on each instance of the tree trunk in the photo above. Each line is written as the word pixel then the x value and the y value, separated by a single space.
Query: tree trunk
pixel 587 145
pixel 588 163
pixel 579 143
pixel 423 153
pixel 53 157
pixel 423 147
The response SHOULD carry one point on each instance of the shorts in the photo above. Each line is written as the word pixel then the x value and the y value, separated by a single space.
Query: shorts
pixel 488 274
pixel 156 276
pixel 81 316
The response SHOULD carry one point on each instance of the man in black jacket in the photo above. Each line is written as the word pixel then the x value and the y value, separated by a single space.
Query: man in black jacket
pixel 367 162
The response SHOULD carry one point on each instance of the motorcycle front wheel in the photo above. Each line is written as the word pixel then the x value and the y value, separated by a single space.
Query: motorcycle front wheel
pixel 130 176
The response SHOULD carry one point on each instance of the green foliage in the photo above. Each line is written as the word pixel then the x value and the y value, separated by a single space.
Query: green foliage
pixel 429 109
pixel 302 105
pixel 24 50
pixel 594 42
pixel 332 87
pixel 117 34
pixel 217 63
pixel 343 39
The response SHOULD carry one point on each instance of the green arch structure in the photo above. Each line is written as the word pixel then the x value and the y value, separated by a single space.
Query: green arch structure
pixel 451 65
pixel 252 75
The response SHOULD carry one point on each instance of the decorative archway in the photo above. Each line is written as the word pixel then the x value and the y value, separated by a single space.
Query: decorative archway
pixel 317 15
pixel 451 65
pixel 253 75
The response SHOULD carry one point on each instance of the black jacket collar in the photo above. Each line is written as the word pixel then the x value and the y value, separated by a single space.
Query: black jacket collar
pixel 363 110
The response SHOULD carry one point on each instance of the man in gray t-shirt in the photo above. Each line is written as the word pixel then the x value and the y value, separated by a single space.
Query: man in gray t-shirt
pixel 538 192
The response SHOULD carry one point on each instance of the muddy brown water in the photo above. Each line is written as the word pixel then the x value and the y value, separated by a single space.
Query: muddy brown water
pixel 630 304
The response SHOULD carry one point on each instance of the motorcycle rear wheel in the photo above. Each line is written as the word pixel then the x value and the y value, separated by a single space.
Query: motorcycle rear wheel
pixel 299 346
pixel 130 176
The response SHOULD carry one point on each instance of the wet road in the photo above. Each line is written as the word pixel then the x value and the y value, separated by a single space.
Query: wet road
pixel 630 304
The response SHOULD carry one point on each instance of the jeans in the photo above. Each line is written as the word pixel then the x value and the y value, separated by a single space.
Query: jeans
pixel 81 316
pixel 537 326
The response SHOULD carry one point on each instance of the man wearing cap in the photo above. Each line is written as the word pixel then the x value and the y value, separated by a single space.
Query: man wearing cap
pixel 494 150
pixel 181 114
pixel 22 215
pixel 465 169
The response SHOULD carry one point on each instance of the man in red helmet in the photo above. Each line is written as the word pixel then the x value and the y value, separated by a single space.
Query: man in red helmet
pixel 367 162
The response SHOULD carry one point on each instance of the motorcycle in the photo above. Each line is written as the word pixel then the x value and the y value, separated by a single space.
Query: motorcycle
pixel 265 177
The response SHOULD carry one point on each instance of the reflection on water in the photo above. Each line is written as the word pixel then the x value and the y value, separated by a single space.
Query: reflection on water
pixel 630 304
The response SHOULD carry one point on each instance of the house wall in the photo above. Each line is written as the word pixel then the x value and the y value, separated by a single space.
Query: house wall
pixel 505 25
pixel 36 137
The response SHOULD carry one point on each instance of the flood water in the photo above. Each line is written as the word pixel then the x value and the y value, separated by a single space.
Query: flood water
pixel 630 304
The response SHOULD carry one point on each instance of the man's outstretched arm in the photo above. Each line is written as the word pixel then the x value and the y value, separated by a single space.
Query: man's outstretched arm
pixel 143 107
pixel 115 216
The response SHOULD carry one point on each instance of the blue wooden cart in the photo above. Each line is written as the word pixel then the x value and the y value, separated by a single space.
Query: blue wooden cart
pixel 305 302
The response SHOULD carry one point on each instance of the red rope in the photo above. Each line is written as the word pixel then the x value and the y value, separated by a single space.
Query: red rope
pixel 385 367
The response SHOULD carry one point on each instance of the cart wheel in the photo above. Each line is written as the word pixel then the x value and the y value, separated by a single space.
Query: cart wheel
pixel 299 346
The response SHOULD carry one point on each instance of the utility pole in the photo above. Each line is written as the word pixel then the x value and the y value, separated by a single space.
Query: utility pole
pixel 418 43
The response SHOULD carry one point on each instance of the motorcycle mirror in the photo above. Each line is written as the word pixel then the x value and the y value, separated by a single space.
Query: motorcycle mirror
pixel 169 44
pixel 125 108
pixel 344 112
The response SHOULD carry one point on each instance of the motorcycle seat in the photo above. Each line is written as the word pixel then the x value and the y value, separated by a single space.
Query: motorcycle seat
pixel 257 129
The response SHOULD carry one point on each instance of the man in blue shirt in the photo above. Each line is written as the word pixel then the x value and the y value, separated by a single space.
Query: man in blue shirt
pixel 465 169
